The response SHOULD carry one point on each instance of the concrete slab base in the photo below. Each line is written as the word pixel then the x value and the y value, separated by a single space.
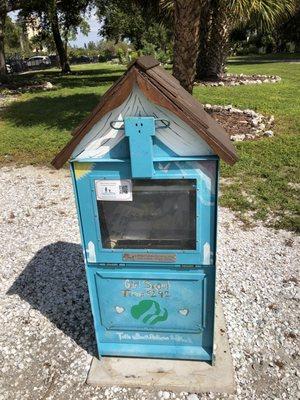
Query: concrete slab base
pixel 173 375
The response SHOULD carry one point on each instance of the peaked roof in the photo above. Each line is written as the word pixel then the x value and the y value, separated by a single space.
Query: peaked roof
pixel 164 90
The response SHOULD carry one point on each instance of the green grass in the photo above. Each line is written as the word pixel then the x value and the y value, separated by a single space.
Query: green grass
pixel 262 185
pixel 266 57
pixel 34 128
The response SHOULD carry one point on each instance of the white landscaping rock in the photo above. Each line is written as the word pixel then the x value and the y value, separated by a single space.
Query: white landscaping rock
pixel 47 336
pixel 269 133
pixel 235 80
pixel 48 86
pixel 259 123
pixel 192 397
pixel 238 138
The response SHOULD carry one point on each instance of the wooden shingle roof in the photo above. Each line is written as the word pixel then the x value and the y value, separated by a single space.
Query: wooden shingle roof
pixel 164 90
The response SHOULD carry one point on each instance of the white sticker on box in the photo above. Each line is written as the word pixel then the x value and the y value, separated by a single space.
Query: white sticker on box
pixel 114 190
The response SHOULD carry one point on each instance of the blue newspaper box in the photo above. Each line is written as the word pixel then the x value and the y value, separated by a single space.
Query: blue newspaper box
pixel 145 173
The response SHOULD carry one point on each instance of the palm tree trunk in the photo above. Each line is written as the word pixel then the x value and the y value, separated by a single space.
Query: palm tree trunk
pixel 62 54
pixel 3 12
pixel 204 37
pixel 218 44
pixel 219 41
pixel 186 41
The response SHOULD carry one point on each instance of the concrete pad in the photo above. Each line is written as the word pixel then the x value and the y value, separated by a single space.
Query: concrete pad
pixel 173 375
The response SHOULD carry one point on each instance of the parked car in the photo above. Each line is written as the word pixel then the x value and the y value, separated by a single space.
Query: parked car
pixel 15 65
pixel 39 62
pixel 80 60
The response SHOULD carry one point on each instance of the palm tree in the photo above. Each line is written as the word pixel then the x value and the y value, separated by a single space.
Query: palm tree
pixel 205 27
pixel 210 33
pixel 224 16
pixel 186 39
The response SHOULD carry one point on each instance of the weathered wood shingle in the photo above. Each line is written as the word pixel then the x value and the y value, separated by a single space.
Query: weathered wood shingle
pixel 164 90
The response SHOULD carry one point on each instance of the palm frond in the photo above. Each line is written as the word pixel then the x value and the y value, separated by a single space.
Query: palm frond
pixel 264 14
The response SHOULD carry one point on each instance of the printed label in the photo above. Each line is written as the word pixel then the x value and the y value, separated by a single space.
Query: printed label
pixel 146 288
pixel 154 337
pixel 149 257
pixel 114 190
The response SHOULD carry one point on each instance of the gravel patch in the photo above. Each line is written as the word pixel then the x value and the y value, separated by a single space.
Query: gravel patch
pixel 46 336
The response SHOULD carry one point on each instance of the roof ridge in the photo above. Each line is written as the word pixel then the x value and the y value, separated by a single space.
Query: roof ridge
pixel 162 89
pixel 146 62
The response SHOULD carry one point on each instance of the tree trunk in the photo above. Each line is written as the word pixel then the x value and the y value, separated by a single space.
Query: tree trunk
pixel 63 59
pixel 218 45
pixel 186 41
pixel 2 29
pixel 204 38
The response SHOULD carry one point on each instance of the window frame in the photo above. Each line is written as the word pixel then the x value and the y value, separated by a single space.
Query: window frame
pixel 158 181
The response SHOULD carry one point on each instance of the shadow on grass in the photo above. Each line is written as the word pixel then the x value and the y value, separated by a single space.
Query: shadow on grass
pixel 54 283
pixel 81 78
pixel 61 112
pixel 247 61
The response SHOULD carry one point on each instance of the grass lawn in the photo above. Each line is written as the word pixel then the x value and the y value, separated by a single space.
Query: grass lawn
pixel 263 185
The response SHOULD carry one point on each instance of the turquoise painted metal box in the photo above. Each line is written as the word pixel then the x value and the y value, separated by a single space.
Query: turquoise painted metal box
pixel 145 178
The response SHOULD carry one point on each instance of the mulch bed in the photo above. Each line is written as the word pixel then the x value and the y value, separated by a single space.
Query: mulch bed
pixel 234 124
pixel 241 124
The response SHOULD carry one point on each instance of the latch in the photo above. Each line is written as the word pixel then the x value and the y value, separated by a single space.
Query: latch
pixel 139 131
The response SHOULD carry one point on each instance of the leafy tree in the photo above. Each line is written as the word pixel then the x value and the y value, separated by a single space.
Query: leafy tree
pixel 121 20
pixel 91 45
pixel 43 39
pixel 126 19
pixel 61 18
pixel 283 37
pixel 12 35
pixel 71 33
pixel 5 7
pixel 138 21
pixel 289 30
pixel 159 36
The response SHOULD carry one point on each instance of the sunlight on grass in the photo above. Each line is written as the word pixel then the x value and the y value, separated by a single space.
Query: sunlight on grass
pixel 266 180
pixel 263 185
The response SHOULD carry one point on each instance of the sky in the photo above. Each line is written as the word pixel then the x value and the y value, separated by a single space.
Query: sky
pixel 80 39
pixel 93 34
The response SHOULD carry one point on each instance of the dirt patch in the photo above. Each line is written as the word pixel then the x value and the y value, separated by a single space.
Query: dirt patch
pixel 14 88
pixel 233 123
pixel 241 124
